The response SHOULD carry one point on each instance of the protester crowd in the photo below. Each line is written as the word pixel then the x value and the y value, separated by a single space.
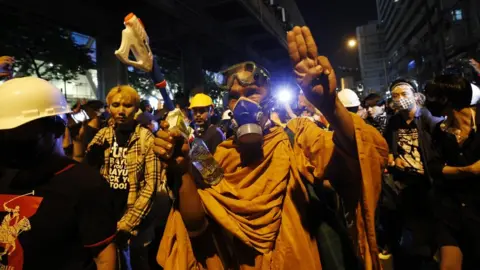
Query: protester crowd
pixel 333 183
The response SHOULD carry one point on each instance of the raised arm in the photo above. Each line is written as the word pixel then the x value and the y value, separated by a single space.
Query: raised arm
pixel 317 78
pixel 161 84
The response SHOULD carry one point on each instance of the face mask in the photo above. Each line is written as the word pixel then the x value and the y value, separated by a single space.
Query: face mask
pixel 248 121
pixel 404 103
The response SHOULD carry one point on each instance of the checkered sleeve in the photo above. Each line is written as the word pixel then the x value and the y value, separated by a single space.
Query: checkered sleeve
pixel 98 139
pixel 134 215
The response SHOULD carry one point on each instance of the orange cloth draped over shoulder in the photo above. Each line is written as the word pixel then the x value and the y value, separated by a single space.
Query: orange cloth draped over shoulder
pixel 262 208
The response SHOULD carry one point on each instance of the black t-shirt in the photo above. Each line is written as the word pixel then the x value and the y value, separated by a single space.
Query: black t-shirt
pixel 212 138
pixel 118 170
pixel 59 215
pixel 405 145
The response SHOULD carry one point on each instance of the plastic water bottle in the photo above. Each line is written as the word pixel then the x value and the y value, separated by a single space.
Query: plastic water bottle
pixel 203 160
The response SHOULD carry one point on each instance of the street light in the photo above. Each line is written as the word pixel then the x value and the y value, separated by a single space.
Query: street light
pixel 284 94
pixel 352 43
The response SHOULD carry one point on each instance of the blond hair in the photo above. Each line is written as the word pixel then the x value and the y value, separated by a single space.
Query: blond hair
pixel 127 90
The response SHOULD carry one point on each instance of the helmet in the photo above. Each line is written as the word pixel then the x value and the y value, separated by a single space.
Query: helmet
pixel 200 100
pixel 26 99
pixel 348 98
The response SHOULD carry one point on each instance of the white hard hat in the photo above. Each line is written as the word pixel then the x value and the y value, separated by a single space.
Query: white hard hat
pixel 348 98
pixel 26 99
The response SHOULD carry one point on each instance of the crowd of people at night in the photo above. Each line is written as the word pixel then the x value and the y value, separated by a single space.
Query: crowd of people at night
pixel 332 182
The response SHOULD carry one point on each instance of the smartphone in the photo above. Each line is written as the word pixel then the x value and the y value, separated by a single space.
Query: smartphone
pixel 80 117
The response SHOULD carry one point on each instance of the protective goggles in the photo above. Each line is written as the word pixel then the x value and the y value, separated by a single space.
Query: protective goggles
pixel 254 75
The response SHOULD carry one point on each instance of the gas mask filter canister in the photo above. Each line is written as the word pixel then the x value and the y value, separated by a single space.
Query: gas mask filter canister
pixel 247 121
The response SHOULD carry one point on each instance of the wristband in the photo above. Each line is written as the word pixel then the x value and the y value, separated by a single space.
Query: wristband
pixel 162 84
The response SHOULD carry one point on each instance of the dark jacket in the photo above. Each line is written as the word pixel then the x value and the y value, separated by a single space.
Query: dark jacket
pixel 448 152
pixel 426 124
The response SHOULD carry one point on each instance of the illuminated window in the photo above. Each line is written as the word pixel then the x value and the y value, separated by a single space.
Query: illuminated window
pixel 457 15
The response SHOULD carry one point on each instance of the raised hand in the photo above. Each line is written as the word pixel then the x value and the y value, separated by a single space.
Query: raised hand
pixel 314 73
pixel 475 65
pixel 5 62
pixel 170 146
pixel 317 78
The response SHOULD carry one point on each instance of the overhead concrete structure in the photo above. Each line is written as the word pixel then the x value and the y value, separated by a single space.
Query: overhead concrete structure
pixel 203 34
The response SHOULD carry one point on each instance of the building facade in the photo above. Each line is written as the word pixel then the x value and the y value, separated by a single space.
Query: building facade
pixel 371 57
pixel 422 36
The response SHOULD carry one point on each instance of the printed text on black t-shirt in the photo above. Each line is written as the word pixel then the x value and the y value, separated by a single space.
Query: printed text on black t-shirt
pixel 118 171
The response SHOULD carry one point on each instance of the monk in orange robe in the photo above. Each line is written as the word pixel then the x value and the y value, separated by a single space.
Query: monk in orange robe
pixel 256 217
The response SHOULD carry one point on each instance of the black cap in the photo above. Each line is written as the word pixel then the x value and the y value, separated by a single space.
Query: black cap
pixel 405 80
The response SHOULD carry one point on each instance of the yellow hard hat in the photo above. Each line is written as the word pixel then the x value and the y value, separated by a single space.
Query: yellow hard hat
pixel 200 100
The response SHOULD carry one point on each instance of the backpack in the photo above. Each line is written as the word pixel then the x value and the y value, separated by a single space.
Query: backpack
pixel 328 224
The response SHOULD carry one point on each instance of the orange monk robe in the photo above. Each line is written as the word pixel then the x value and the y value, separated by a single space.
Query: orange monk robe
pixel 263 207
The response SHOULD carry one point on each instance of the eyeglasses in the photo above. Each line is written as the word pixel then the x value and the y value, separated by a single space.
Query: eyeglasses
pixel 254 75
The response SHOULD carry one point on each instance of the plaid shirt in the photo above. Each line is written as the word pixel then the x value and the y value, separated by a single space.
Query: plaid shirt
pixel 145 174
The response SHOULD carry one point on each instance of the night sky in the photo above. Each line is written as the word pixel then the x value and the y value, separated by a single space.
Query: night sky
pixel 333 22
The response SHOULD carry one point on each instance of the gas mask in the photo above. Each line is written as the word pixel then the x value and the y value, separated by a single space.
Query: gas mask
pixel 404 103
pixel 248 121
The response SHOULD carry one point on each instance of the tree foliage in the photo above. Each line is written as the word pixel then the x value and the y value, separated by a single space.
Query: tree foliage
pixel 44 50
pixel 143 84
pixel 171 69
pixel 210 86
pixel 140 81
